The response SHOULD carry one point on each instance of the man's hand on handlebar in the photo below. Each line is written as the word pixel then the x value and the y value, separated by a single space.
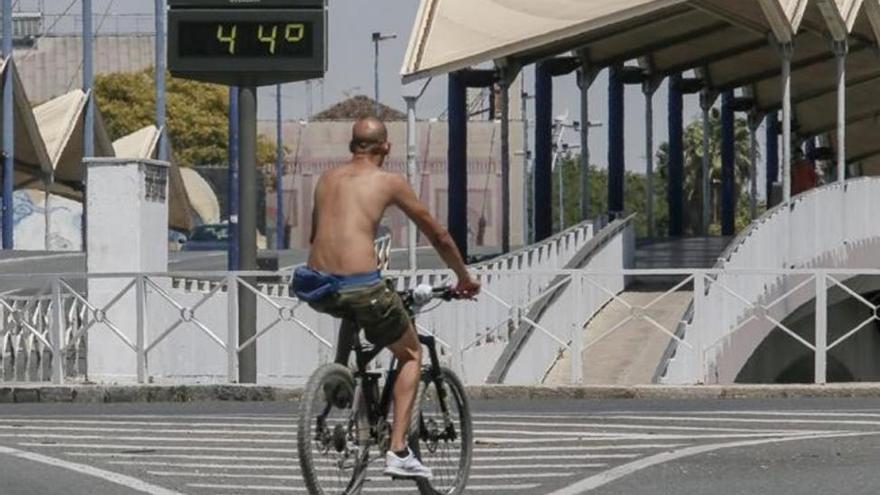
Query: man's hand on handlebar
pixel 467 287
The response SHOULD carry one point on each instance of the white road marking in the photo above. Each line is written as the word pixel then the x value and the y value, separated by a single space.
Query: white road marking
pixel 635 436
pixel 185 431
pixel 244 426
pixel 605 477
pixel 408 489
pixel 776 421
pixel 294 466
pixel 119 479
pixel 625 426
pixel 272 441
pixel 286 477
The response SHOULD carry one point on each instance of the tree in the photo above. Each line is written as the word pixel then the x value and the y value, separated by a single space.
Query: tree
pixel 197 115
pixel 693 172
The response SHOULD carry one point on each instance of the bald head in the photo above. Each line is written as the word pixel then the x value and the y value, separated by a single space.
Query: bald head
pixel 369 136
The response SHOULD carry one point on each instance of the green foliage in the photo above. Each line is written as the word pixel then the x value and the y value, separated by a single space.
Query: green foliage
pixel 197 115
pixel 635 185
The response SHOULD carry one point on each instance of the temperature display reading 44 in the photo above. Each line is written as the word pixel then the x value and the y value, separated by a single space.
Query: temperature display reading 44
pixel 292 39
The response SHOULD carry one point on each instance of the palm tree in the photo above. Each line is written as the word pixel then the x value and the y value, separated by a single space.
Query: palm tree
pixel 693 169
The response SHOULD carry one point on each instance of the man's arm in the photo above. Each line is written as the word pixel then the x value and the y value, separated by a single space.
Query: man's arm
pixel 405 199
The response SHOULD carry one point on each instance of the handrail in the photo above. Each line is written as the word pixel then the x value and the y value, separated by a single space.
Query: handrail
pixel 525 330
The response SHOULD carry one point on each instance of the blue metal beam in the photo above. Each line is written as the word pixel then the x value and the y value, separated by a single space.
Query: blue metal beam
pixel 728 166
pixel 232 198
pixel 772 155
pixel 616 165
pixel 543 196
pixel 457 162
pixel 8 131
pixel 675 172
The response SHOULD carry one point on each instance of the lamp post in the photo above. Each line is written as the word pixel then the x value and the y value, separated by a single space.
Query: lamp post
pixel 377 37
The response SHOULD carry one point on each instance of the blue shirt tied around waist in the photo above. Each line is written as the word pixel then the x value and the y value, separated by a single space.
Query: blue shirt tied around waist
pixel 311 285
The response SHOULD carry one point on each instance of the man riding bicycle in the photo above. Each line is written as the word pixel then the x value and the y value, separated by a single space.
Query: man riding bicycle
pixel 340 278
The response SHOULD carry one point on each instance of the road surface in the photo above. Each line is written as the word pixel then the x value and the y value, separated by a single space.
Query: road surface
pixel 539 447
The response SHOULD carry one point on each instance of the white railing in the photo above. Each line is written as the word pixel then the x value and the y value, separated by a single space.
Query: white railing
pixel 830 227
pixel 166 335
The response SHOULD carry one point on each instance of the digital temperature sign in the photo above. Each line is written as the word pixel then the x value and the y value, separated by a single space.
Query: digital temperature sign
pixel 247 43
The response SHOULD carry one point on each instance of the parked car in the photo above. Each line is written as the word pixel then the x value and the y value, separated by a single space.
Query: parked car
pixel 209 237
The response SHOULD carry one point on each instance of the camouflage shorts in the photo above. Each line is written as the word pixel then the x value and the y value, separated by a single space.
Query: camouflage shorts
pixel 375 308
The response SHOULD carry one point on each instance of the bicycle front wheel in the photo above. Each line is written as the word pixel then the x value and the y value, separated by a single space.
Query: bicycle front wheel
pixel 442 433
pixel 332 439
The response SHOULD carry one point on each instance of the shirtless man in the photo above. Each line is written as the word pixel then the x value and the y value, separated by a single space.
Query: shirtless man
pixel 340 278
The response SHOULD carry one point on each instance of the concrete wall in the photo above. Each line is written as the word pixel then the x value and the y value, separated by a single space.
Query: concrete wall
pixel 318 146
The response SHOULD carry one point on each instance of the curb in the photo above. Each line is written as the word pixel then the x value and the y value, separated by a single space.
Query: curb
pixel 28 393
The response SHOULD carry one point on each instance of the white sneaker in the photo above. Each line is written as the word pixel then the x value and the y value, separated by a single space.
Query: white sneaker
pixel 407 467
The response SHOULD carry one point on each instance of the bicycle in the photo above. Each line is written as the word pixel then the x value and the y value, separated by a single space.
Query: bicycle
pixel 440 433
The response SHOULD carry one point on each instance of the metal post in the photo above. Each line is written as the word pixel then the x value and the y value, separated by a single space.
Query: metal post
pixel 648 89
pixel 584 82
pixel 160 79
pixel 8 130
pixel 528 183
pixel 232 328
pixel 412 174
pixel 728 166
pixel 57 334
pixel 280 237
pixel 616 166
pixel 504 84
pixel 47 212
pixel 141 338
pixel 675 175
pixel 247 233
pixel 841 48
pixel 232 198
pixel 89 124
pixel 699 325
pixel 457 162
pixel 542 206
pixel 772 145
pixel 577 337
pixel 376 71
pixel 787 50
pixel 821 364
pixel 754 123
pixel 706 101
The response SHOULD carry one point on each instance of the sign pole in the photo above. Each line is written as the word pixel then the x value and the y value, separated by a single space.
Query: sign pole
pixel 247 230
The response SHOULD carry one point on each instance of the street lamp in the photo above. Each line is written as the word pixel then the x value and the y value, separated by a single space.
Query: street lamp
pixel 377 37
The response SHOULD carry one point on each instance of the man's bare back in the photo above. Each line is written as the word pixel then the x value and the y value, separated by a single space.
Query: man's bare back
pixel 349 203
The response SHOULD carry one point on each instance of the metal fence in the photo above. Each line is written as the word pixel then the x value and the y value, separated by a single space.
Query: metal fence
pixel 154 332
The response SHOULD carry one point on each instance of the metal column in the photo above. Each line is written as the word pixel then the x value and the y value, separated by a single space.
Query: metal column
pixel 247 233
pixel 841 48
pixel 457 162
pixel 728 166
pixel 89 124
pixel 585 79
pixel 787 50
pixel 412 173
pixel 160 79
pixel 648 88
pixel 505 81
pixel 754 124
pixel 707 99
pixel 8 130
pixel 616 165
pixel 280 234
pixel 232 198
pixel 543 197
pixel 772 158
pixel 675 175
pixel 528 183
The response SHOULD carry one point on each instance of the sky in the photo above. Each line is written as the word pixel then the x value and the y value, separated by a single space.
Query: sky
pixel 351 72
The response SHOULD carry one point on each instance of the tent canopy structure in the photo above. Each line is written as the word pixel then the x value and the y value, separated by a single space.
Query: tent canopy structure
pixel 31 158
pixel 728 43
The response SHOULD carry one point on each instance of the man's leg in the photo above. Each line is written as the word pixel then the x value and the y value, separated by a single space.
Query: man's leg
pixel 408 352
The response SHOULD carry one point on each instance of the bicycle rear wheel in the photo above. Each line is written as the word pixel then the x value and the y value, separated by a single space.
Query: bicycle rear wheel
pixel 332 437
pixel 441 433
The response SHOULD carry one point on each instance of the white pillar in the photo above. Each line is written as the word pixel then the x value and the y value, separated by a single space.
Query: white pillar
pixel 787 50
pixel 412 173
pixel 648 88
pixel 122 240
pixel 841 48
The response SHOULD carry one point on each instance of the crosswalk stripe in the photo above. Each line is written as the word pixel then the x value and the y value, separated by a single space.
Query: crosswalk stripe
pixel 295 466
pixel 409 489
pixel 621 426
pixel 286 477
